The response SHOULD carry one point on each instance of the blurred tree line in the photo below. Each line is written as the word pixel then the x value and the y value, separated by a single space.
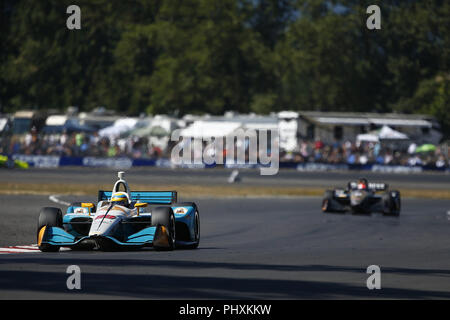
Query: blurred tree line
pixel 195 56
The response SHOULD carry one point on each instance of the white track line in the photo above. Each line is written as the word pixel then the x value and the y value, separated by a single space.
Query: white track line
pixel 55 199
pixel 12 250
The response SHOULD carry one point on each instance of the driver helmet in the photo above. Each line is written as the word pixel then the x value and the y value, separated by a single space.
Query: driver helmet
pixel 120 198
pixel 362 184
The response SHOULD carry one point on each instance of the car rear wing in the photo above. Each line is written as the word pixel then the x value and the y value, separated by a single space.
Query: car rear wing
pixel 150 197
pixel 372 186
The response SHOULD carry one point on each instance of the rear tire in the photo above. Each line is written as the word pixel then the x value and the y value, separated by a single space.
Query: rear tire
pixel 392 203
pixel 196 231
pixel 50 217
pixel 163 216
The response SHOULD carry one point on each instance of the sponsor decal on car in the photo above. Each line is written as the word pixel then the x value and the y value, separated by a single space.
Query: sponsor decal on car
pixel 80 210
pixel 181 210
pixel 340 193
pixel 108 216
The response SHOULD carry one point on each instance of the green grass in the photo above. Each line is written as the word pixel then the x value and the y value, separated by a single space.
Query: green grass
pixel 234 190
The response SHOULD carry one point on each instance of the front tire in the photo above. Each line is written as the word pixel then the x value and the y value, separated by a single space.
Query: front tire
pixel 48 217
pixel 326 202
pixel 163 219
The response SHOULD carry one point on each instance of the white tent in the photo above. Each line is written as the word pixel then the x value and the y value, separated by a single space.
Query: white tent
pixel 200 129
pixel 385 133
pixel 56 120
pixel 119 126
pixel 368 137
pixel 3 123
pixel 389 133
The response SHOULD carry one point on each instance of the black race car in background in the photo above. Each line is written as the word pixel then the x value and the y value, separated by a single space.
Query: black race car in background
pixel 363 197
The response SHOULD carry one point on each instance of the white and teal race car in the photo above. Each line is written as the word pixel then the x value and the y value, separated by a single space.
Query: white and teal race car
pixel 122 219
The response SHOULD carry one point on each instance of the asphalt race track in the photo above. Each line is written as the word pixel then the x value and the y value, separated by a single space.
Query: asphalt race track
pixel 251 177
pixel 250 249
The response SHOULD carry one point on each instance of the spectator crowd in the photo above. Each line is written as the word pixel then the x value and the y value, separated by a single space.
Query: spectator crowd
pixel 79 145
pixel 348 152
pixel 363 153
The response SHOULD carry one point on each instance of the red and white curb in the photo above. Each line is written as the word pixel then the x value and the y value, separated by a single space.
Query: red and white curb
pixel 24 249
pixel 19 249
pixel 33 248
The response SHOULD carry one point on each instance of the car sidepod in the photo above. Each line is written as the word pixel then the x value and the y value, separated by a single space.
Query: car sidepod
pixel 187 225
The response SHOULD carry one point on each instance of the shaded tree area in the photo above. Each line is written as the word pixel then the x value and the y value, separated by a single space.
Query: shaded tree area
pixel 196 56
